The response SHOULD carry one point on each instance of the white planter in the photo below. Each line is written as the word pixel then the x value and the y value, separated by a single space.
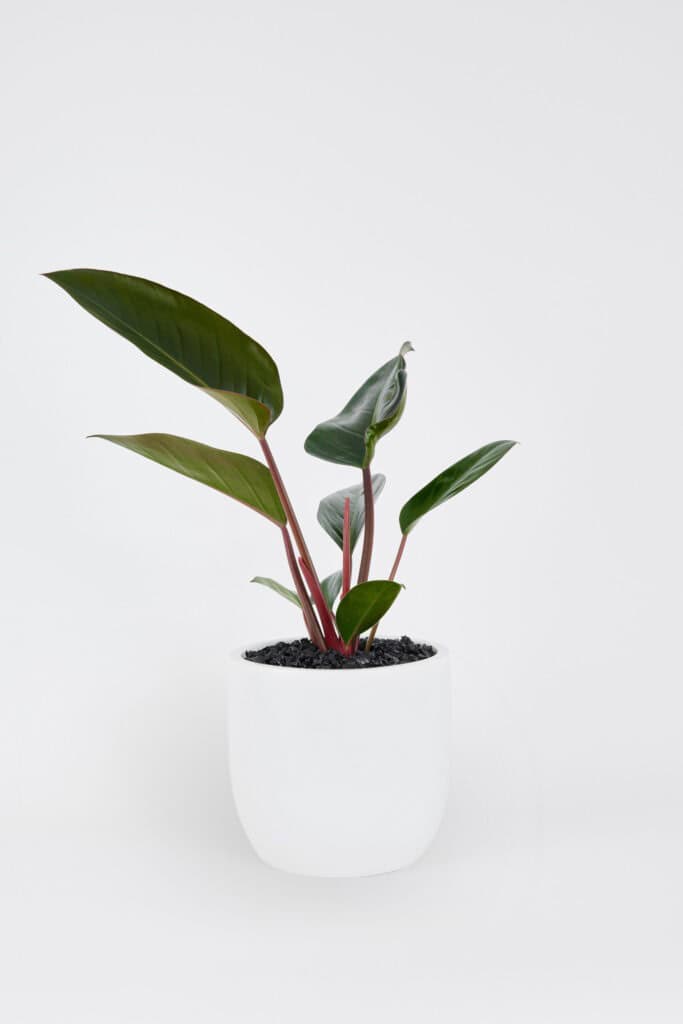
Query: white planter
pixel 340 772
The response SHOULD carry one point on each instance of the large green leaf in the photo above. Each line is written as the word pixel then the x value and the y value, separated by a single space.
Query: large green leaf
pixel 364 605
pixel 376 407
pixel 186 337
pixel 330 587
pixel 453 480
pixel 331 510
pixel 244 479
pixel 285 592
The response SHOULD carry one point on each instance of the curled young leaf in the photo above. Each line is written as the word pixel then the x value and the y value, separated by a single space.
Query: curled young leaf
pixel 186 337
pixel 364 605
pixel 452 481
pixel 350 437
pixel 330 587
pixel 240 477
pixel 331 510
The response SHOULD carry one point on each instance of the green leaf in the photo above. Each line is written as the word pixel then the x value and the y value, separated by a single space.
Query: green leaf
pixel 331 510
pixel 285 592
pixel 255 416
pixel 377 406
pixel 186 337
pixel 330 587
pixel 365 605
pixel 453 480
pixel 238 476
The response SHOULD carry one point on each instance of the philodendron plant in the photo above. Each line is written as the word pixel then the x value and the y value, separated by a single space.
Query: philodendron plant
pixel 214 355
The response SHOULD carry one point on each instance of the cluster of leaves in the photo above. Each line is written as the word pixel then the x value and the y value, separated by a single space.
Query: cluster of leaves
pixel 206 350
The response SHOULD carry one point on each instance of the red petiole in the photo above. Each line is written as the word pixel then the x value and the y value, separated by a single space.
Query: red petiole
pixel 306 562
pixel 331 638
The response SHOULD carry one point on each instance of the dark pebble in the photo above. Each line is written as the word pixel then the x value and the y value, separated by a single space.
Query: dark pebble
pixel 304 654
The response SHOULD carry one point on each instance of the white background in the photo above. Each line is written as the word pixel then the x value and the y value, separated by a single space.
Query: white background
pixel 501 184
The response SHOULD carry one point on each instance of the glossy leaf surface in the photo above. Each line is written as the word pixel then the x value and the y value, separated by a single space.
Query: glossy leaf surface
pixel 331 510
pixel 240 477
pixel 452 481
pixel 330 587
pixel 364 605
pixel 285 592
pixel 350 437
pixel 186 337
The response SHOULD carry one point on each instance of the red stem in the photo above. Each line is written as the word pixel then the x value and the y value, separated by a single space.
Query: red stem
pixel 346 548
pixel 307 608
pixel 331 638
pixel 392 576
pixel 399 556
pixel 325 614
pixel 369 529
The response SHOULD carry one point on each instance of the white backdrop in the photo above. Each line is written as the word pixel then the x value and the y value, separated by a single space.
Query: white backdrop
pixel 501 184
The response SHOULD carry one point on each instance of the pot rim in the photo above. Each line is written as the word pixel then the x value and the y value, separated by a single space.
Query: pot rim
pixel 237 654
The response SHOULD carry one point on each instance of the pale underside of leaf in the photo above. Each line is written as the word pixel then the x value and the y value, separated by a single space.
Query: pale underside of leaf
pixel 331 587
pixel 331 510
pixel 278 588
pixel 238 476
pixel 254 415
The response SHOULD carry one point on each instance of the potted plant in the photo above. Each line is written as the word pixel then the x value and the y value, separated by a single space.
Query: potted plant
pixel 334 773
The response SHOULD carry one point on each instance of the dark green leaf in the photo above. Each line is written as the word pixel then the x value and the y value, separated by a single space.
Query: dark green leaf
pixel 238 476
pixel 453 480
pixel 331 510
pixel 376 407
pixel 365 605
pixel 285 592
pixel 186 337
pixel 330 587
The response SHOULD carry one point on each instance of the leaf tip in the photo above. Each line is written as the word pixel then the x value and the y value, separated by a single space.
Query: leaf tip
pixel 406 347
pixel 53 275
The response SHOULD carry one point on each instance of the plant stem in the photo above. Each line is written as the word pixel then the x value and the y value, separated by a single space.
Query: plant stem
pixel 331 638
pixel 346 548
pixel 369 529
pixel 307 608
pixel 399 556
pixel 287 505
pixel 392 576
pixel 325 615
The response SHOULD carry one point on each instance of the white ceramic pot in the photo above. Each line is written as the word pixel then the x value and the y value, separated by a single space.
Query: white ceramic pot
pixel 340 772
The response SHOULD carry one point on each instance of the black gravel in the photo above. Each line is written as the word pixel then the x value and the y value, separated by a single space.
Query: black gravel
pixel 304 654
